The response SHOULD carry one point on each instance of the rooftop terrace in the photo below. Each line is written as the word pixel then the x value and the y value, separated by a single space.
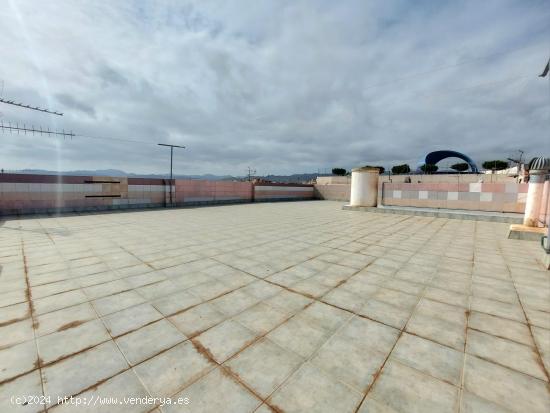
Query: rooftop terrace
pixel 295 307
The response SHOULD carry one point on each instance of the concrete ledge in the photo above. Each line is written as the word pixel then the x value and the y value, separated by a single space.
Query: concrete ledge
pixel 284 199
pixel 488 216
pixel 523 232
pixel 49 212
pixel 545 260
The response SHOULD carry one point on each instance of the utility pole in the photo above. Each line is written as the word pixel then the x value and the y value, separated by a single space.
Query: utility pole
pixel 171 163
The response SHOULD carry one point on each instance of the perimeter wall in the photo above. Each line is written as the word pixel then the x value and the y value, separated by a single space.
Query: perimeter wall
pixel 28 193
pixel 480 192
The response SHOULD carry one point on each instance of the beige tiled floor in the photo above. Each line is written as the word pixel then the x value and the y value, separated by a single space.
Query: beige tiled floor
pixel 297 307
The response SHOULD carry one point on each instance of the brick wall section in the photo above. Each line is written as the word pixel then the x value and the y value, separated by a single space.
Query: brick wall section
pixel 499 197
pixel 26 193
pixel 283 192
pixel 333 192
pixel 197 191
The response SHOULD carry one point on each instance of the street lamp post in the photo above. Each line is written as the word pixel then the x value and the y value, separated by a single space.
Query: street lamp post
pixel 171 163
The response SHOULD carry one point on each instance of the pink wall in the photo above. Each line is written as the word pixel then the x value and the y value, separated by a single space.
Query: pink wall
pixel 267 192
pixel 187 191
pixel 333 192
pixel 26 193
pixel 500 197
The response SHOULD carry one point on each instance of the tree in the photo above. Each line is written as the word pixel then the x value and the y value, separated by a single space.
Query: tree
pixel 495 165
pixel 339 171
pixel 401 169
pixel 460 167
pixel 381 169
pixel 429 168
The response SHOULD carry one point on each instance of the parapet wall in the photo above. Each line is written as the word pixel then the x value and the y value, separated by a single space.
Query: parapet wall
pixel 499 197
pixel 27 193
pixel 453 191
pixel 333 192
pixel 277 192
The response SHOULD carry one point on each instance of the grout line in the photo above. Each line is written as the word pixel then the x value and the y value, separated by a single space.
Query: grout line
pixel 38 363
pixel 468 312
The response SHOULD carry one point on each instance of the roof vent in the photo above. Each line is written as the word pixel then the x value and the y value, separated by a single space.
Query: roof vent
pixel 539 164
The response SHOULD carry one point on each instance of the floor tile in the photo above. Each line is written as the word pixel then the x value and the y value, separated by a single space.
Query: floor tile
pixel 117 302
pixel 500 327
pixel 348 362
pixel 148 341
pixel 123 386
pixel 58 301
pixel 16 333
pixel 342 298
pixel 17 360
pixel 288 302
pixel 264 366
pixel 505 352
pixel 385 313
pixel 105 289
pixel 172 370
pixel 438 330
pixel 501 385
pixel 407 390
pixel 14 313
pixel 261 318
pixel 542 339
pixel 299 337
pixel 431 358
pixel 312 390
pixel 324 316
pixel 64 319
pixel 497 308
pixel 230 396
pixel 226 339
pixel 233 303
pixel 471 403
pixel 176 303
pixel 369 334
pixel 197 319
pixel 450 313
pixel 371 405
pixel 13 297
pixel 22 387
pixel 75 374
pixel 61 344
pixel 131 319
pixel 396 298
pixel 447 297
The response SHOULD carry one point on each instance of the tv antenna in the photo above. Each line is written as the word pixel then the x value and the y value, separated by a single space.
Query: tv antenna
pixel 519 160
pixel 16 128
pixel 22 105
pixel 251 172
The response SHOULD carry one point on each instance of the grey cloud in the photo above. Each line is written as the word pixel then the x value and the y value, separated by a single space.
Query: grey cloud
pixel 110 76
pixel 72 103
pixel 283 86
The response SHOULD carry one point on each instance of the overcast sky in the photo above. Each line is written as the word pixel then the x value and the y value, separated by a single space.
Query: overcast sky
pixel 282 86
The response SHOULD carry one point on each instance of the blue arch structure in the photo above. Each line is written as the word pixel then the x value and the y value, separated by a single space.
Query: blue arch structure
pixel 436 156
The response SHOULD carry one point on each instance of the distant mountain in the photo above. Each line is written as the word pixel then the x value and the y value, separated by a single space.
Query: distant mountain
pixel 118 172
pixel 294 178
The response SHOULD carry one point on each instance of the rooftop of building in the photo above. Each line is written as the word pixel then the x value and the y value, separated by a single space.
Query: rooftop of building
pixel 292 307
